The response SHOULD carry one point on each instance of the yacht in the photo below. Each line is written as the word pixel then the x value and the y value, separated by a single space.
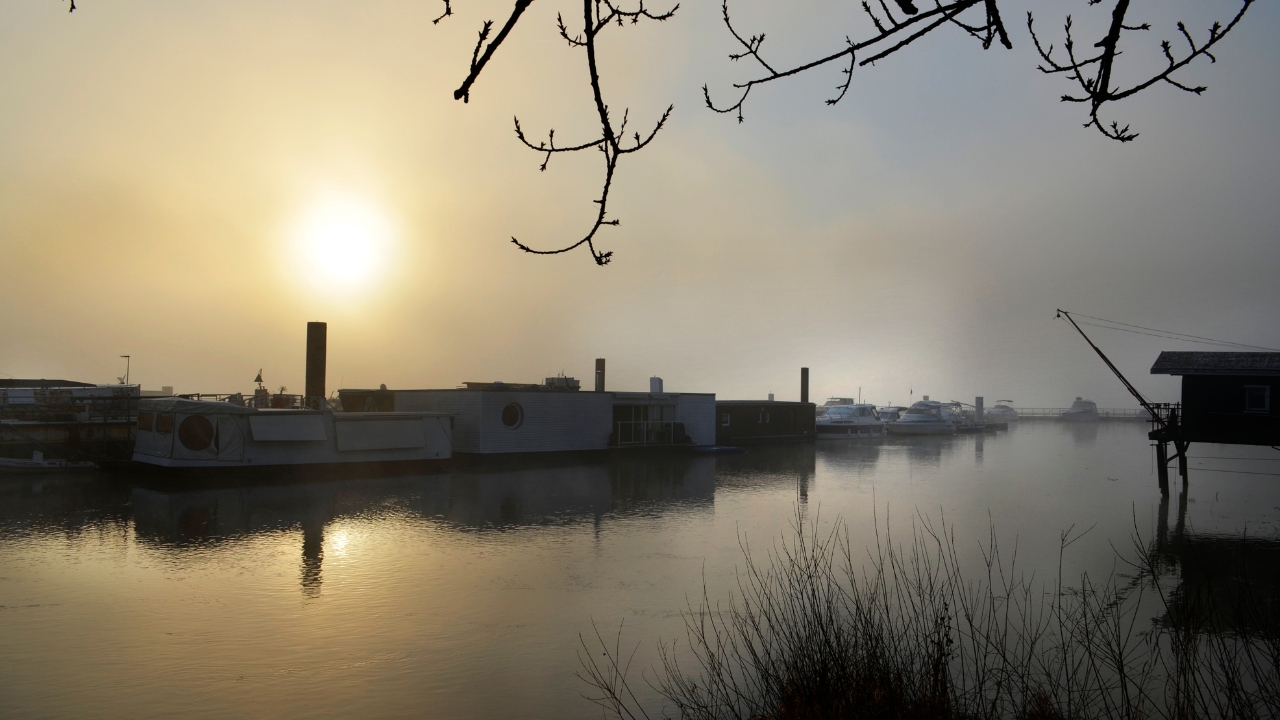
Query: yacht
pixel 1002 411
pixel 924 418
pixel 890 413
pixel 848 420
pixel 1081 411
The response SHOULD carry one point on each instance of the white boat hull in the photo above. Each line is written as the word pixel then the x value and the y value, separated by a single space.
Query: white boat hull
pixel 910 428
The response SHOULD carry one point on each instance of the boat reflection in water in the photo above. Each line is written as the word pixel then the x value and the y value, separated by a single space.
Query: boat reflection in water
pixel 490 495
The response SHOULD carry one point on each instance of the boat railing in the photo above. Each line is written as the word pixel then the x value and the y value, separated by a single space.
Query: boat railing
pixel 271 401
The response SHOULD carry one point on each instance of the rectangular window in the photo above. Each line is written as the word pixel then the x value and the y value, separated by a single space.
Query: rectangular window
pixel 1257 398
pixel 164 423
pixel 146 421
pixel 724 419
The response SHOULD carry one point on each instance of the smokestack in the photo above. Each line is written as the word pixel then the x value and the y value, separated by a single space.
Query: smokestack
pixel 317 351
pixel 599 374
pixel 804 384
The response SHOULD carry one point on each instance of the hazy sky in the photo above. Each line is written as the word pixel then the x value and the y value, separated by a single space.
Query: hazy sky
pixel 169 169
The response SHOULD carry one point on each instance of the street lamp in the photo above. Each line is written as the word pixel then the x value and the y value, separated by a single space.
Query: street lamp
pixel 127 362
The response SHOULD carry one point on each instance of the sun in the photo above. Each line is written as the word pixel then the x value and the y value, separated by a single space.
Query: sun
pixel 342 240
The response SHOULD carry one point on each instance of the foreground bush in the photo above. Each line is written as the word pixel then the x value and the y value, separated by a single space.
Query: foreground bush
pixel 813 634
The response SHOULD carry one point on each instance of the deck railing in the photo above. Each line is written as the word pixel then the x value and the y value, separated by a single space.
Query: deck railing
pixel 69 409
pixel 1113 413
pixel 629 433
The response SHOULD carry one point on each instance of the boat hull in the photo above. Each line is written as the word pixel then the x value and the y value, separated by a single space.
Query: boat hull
pixel 843 432
pixel 901 428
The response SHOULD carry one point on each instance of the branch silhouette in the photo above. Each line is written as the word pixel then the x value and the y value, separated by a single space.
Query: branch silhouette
pixel 612 144
pixel 895 25
pixel 1094 73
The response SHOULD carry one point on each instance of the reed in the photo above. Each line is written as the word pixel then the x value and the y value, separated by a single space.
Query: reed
pixel 812 631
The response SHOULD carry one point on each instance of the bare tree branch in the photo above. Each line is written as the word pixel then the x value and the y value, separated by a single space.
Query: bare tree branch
pixel 612 144
pixel 478 61
pixel 893 36
pixel 1097 85
pixel 448 10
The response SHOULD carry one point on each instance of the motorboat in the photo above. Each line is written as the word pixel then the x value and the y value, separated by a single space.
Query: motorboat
pixel 849 420
pixel 1002 411
pixel 185 433
pixel 890 413
pixel 830 403
pixel 926 417
pixel 1081 411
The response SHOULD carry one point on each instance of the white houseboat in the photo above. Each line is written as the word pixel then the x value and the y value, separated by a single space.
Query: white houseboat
pixel 555 416
pixel 183 433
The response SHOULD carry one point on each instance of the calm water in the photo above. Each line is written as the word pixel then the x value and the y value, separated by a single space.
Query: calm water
pixel 464 594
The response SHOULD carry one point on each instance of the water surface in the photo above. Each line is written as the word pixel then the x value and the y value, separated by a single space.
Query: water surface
pixel 463 594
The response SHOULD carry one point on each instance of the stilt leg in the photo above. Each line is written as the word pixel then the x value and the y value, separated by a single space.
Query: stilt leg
pixel 1162 466
pixel 1182 460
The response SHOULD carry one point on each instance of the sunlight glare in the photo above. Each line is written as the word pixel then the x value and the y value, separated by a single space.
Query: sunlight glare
pixel 343 240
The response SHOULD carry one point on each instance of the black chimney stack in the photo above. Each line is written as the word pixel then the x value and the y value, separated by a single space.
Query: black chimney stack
pixel 317 349
pixel 599 374
pixel 804 384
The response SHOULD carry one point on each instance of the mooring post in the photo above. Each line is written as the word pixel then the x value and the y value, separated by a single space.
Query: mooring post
pixel 1162 465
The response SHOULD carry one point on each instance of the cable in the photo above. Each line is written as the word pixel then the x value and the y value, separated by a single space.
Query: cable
pixel 1166 332
pixel 1213 457
pixel 1238 472
pixel 1170 334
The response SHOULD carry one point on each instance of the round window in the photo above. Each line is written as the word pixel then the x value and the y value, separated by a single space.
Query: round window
pixel 195 433
pixel 512 415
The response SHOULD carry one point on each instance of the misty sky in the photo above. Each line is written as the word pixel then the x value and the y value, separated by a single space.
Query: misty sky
pixel 164 165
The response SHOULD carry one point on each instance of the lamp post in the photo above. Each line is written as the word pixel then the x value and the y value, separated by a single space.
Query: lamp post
pixel 127 362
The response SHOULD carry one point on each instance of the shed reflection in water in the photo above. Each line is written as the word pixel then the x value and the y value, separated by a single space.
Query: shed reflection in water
pixel 1223 583
pixel 493 494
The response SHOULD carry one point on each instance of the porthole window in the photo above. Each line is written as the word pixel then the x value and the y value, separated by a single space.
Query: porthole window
pixel 512 415
pixel 195 432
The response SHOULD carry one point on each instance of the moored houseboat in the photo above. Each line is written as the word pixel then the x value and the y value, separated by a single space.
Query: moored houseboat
pixel 184 433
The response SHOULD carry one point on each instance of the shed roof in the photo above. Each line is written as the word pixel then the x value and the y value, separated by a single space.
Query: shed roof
pixel 1217 363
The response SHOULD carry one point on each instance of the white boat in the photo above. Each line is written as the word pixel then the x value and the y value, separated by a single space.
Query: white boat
pixel 848 420
pixel 183 433
pixel 890 413
pixel 1002 411
pixel 1081 411
pixel 924 418
pixel 38 463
